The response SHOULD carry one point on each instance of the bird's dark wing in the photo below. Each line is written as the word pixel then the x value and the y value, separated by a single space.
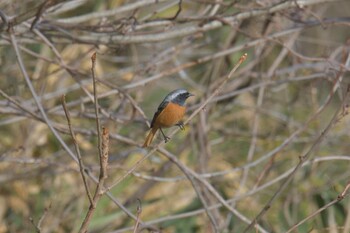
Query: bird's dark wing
pixel 159 110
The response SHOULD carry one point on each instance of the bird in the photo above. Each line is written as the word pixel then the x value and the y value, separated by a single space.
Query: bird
pixel 169 113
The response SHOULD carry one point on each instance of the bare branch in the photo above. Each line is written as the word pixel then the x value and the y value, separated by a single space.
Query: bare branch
pixel 100 185
pixel 77 150
pixel 335 201
pixel 189 30
pixel 139 211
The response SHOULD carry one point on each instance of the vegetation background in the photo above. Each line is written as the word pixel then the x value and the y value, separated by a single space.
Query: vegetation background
pixel 268 152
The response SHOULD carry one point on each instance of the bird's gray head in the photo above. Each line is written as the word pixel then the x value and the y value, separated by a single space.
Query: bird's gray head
pixel 178 96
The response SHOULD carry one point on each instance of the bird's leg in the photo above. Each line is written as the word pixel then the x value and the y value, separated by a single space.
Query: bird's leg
pixel 166 138
pixel 181 125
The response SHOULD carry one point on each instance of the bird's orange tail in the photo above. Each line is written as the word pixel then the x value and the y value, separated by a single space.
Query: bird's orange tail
pixel 150 136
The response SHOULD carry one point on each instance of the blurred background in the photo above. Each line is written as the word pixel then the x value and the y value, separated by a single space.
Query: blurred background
pixel 285 108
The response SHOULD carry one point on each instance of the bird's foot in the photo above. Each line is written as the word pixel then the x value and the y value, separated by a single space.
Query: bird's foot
pixel 181 125
pixel 166 139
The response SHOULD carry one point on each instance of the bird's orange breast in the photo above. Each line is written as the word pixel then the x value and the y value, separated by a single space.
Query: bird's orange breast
pixel 171 115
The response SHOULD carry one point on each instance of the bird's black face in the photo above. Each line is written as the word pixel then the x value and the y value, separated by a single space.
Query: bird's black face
pixel 178 96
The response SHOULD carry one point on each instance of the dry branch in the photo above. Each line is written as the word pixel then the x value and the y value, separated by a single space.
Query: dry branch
pixel 101 181
pixel 250 131
pixel 77 150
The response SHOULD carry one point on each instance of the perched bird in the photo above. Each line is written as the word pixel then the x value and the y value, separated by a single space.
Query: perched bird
pixel 170 112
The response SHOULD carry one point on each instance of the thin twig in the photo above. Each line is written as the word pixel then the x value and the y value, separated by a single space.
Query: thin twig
pixel 335 201
pixel 98 127
pixel 138 215
pixel 38 225
pixel 100 185
pixel 37 229
pixel 77 150
pixel 18 105
pixel 40 12
pixel 41 220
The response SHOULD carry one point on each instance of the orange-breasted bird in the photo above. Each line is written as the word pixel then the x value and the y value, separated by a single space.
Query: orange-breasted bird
pixel 170 112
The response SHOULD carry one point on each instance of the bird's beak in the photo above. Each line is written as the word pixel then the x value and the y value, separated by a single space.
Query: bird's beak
pixel 190 94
